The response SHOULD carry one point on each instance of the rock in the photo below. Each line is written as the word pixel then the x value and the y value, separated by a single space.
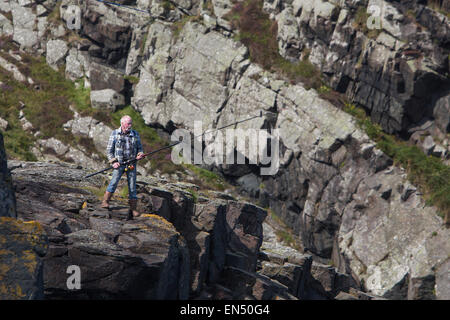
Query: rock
pixel 56 53
pixel 6 28
pixel 110 33
pixel 12 68
pixel 367 223
pixel 77 65
pixel 345 296
pixel 24 25
pixel 89 127
pixel 250 184
pixel 3 124
pixel 247 285
pixel 441 113
pixel 116 255
pixel 22 247
pixel 107 99
pixel 8 203
pixel 442 283
pixel 428 145
pixel 104 77
pixel 54 144
pixel 393 93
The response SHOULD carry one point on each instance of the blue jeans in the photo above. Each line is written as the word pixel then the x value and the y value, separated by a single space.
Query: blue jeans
pixel 131 178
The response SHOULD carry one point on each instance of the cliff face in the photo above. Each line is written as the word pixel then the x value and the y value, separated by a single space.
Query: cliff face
pixel 206 246
pixel 393 61
pixel 343 197
pixel 397 67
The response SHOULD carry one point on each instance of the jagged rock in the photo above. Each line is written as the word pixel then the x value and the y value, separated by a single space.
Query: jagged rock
pixel 388 70
pixel 54 144
pixel 247 285
pixel 109 31
pixel 22 246
pixel 116 255
pixel 199 86
pixel 370 222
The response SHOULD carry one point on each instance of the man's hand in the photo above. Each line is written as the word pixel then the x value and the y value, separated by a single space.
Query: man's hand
pixel 116 165
pixel 139 156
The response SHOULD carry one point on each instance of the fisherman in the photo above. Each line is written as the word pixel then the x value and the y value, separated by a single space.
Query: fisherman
pixel 124 144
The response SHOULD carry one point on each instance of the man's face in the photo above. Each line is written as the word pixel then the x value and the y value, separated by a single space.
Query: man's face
pixel 126 125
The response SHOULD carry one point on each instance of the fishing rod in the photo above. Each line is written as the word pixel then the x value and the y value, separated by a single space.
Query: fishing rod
pixel 132 161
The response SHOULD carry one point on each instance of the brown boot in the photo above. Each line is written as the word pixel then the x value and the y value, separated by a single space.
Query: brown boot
pixel 133 206
pixel 106 198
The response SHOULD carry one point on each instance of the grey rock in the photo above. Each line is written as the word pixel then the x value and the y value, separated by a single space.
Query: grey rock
pixel 56 53
pixel 12 68
pixel 107 99
pixel 8 204
pixel 3 124
pixel 6 27
pixel 441 113
pixel 24 25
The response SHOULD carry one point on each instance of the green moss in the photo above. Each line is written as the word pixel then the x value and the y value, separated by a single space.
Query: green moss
pixel 206 178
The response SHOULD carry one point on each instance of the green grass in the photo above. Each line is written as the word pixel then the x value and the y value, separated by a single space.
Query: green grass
pixel 206 178
pixel 429 173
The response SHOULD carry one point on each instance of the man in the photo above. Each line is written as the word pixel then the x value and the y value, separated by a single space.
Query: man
pixel 124 144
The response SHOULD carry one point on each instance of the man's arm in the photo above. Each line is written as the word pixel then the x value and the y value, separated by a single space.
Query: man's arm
pixel 140 150
pixel 110 149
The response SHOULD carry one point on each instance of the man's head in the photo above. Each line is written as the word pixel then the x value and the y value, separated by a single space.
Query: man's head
pixel 125 123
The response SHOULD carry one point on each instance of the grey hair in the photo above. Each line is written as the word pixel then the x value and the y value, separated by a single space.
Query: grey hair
pixel 125 117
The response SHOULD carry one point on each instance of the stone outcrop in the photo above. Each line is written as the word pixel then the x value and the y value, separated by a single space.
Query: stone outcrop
pixel 176 250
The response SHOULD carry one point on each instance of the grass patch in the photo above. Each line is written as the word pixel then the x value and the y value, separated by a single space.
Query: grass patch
pixel 428 172
pixel 207 179
pixel 259 34
pixel 46 105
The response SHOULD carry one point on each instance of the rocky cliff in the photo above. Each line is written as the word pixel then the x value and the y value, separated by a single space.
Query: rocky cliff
pixel 343 197
pixel 210 246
